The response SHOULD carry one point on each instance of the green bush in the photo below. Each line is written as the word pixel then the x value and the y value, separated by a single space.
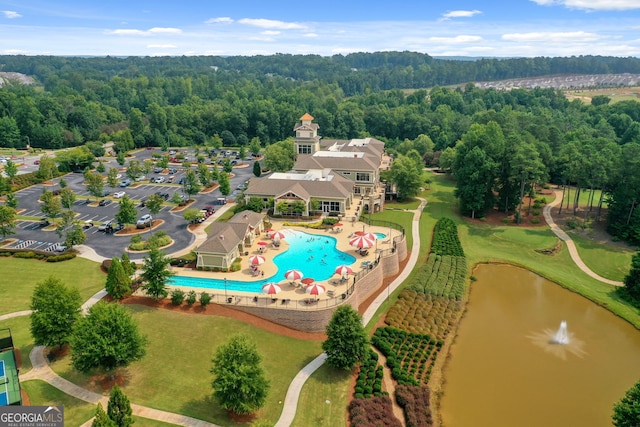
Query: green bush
pixel 177 296
pixel 61 257
pixel 205 299
pixel 26 255
pixel 535 220
pixel 191 298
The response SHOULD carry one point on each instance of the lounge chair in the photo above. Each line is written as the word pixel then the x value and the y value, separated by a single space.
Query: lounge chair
pixel 364 252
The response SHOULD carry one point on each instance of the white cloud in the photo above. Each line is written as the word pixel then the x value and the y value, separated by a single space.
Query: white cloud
pixel 460 14
pixel 270 23
pixel 552 37
pixel 162 46
pixel 270 33
pixel 456 39
pixel 10 14
pixel 221 20
pixel 592 4
pixel 149 32
pixel 310 35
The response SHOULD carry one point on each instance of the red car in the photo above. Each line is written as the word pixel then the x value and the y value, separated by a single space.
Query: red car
pixel 37 162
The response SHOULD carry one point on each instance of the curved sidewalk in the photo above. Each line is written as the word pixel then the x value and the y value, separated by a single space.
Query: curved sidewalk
pixel 573 250
pixel 293 393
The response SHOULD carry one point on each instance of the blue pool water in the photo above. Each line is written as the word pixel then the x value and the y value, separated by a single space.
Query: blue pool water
pixel 313 254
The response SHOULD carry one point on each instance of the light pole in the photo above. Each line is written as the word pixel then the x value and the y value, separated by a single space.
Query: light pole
pixel 225 289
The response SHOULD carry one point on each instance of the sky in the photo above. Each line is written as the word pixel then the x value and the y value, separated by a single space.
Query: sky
pixel 480 28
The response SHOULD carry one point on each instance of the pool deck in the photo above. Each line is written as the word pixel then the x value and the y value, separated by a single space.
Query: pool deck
pixel 289 291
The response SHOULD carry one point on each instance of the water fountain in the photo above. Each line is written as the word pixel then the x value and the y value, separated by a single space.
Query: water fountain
pixel 562 336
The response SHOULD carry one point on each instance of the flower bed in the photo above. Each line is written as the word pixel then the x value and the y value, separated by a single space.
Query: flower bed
pixel 377 411
pixel 369 382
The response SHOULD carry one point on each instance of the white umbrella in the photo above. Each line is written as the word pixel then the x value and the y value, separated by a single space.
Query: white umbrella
pixel 362 242
pixel 278 235
pixel 315 289
pixel 271 288
pixel 293 275
pixel 343 270
pixel 256 259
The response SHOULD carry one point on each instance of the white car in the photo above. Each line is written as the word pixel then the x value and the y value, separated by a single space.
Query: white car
pixel 159 180
pixel 144 221
pixel 119 194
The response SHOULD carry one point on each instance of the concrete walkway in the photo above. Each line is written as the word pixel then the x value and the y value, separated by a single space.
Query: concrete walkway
pixel 573 250
pixel 293 393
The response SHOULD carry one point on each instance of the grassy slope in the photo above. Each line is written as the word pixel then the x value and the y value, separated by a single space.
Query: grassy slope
pixel 20 276
pixel 174 376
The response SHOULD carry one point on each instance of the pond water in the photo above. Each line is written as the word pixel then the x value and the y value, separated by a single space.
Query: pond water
pixel 505 370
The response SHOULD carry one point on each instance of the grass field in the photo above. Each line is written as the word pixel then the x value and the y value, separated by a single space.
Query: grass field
pixel 76 411
pixel 630 93
pixel 20 276
pixel 22 340
pixel 608 261
pixel 174 376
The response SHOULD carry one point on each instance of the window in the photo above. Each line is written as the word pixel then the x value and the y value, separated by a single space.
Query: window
pixel 356 190
pixel 362 176
pixel 330 206
pixel 304 149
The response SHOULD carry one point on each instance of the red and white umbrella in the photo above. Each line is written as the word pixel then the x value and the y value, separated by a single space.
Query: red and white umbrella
pixel 269 230
pixel 315 289
pixel 278 235
pixel 293 275
pixel 343 270
pixel 271 288
pixel 363 242
pixel 308 281
pixel 256 259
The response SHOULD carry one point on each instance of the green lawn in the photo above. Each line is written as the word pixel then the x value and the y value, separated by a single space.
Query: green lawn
pixel 608 261
pixel 76 411
pixel 174 376
pixel 20 276
pixel 22 340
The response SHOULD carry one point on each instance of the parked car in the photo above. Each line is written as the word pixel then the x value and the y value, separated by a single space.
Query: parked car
pixel 105 225
pixel 119 194
pixel 144 221
pixel 125 183
pixel 104 202
pixel 158 179
pixel 141 178
pixel 87 224
pixel 170 179
pixel 157 169
pixel 173 170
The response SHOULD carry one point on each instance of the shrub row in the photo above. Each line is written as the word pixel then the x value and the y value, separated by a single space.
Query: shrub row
pixel 377 411
pixel 443 275
pixel 178 296
pixel 424 314
pixel 415 403
pixel 48 257
pixel 369 381
pixel 157 240
pixel 445 238
pixel 409 356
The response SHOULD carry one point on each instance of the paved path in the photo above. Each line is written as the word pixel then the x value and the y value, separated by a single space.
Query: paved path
pixel 573 251
pixel 293 393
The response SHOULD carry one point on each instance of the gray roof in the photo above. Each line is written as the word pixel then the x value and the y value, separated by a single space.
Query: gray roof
pixel 223 237
pixel 338 188
pixel 309 161
pixel 251 218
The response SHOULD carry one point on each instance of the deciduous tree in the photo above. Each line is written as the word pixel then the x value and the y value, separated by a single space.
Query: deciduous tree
pixel 347 341
pixel 239 382
pixel 626 412
pixel 7 220
pixel 56 308
pixel 155 273
pixel 127 212
pixel 107 338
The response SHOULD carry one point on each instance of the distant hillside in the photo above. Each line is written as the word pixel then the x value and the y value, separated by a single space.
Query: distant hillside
pixel 565 82
pixel 19 77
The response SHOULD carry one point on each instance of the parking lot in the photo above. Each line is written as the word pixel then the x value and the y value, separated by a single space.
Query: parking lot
pixel 31 234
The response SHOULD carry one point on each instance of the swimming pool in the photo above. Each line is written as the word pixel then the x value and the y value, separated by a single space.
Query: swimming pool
pixel 313 254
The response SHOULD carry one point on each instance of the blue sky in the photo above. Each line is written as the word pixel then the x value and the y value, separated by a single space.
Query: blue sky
pixel 497 28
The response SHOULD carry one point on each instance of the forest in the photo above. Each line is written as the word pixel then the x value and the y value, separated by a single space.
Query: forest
pixel 498 144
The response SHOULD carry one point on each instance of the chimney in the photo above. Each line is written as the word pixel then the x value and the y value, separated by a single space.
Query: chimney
pixel 221 237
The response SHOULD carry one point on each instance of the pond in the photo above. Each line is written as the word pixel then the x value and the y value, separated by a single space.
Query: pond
pixel 505 370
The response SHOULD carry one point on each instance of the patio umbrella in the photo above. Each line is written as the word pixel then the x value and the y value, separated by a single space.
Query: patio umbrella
pixel 362 242
pixel 338 224
pixel 256 259
pixel 278 235
pixel 271 288
pixel 308 281
pixel 315 289
pixel 293 275
pixel 343 270
pixel 263 243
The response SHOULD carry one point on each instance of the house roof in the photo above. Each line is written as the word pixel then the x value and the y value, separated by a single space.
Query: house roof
pixel 223 237
pixel 307 117
pixel 336 187
pixel 250 218
pixel 352 163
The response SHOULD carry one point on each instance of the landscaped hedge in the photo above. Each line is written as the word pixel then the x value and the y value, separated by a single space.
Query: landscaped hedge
pixel 409 356
pixel 424 314
pixel 46 256
pixel 369 381
pixel 377 411
pixel 445 238
pixel 414 401
pixel 443 275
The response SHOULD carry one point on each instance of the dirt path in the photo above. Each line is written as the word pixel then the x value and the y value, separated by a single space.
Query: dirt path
pixel 389 386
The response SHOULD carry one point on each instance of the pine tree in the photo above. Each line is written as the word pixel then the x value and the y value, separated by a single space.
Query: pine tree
pixel 119 408
pixel 102 419
pixel 128 266
pixel 118 282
